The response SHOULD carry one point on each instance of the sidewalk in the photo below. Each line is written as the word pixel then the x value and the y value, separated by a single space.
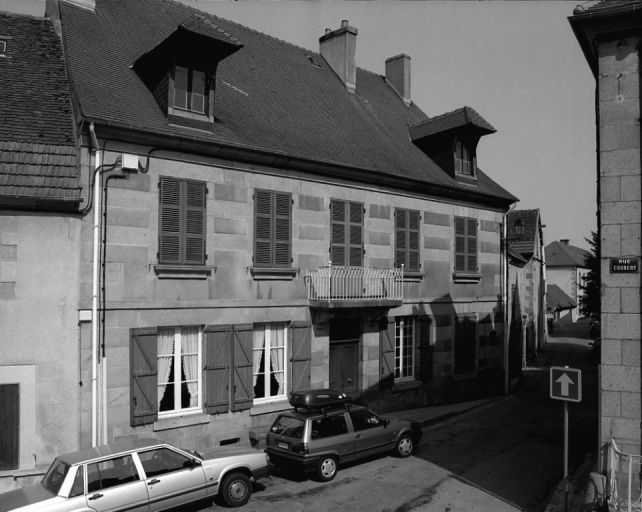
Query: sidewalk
pixel 436 413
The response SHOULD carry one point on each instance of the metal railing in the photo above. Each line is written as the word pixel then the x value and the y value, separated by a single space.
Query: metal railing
pixel 354 283
pixel 625 481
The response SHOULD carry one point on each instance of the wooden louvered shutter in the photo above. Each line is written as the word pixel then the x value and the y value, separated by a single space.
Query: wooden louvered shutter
pixel 301 355
pixel 262 228
pixel 387 348
pixel 170 221
pixel 356 234
pixel 471 245
pixel 217 368
pixel 401 241
pixel 460 244
pixel 338 246
pixel 194 214
pixel 272 229
pixel 242 379
pixel 144 376
pixel 282 230
pixel 413 241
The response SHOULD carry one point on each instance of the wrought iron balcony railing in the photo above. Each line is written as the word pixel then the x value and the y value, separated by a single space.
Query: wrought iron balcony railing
pixel 334 283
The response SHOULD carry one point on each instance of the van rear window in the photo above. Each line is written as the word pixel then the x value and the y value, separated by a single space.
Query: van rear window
pixel 288 426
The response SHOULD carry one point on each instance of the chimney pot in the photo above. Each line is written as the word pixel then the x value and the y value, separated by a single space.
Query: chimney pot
pixel 339 49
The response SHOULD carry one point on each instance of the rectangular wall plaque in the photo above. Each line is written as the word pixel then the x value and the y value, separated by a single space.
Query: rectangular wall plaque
pixel 624 265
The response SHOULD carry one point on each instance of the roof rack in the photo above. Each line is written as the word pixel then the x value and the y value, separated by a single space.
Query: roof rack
pixel 319 399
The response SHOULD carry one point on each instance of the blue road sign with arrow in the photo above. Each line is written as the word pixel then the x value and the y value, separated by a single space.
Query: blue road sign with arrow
pixel 566 384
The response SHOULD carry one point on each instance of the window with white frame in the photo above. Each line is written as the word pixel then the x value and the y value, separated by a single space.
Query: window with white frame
pixel 404 347
pixel 179 370
pixel 269 363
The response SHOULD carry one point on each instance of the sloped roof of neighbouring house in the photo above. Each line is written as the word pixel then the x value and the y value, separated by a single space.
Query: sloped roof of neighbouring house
pixel 272 97
pixel 525 244
pixel 557 300
pixel 562 254
pixel 38 158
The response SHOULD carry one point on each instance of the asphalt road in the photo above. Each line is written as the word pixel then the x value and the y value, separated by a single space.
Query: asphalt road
pixel 504 456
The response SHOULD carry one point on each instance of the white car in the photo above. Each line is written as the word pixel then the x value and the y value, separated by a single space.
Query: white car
pixel 140 475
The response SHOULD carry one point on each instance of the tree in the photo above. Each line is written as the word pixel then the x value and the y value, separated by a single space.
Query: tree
pixel 590 301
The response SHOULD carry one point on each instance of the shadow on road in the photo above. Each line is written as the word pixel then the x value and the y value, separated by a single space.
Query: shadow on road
pixel 514 449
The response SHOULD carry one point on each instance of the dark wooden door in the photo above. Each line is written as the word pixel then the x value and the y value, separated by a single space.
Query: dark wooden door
pixel 344 367
pixel 9 425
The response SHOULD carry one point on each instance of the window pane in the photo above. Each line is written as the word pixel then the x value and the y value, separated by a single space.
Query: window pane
pixel 198 92
pixel 110 473
pixel 180 87
pixel 162 461
pixel 166 342
pixel 78 489
pixel 55 476
pixel 329 426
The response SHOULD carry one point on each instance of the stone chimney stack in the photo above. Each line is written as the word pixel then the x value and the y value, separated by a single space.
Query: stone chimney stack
pixel 398 76
pixel 339 49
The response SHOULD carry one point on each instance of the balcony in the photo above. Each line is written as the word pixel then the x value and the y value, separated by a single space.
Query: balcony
pixel 333 287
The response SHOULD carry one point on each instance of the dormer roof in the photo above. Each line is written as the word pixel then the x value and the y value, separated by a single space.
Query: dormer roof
pixel 465 118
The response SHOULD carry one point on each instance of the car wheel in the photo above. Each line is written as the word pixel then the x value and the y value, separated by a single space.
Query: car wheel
pixel 404 446
pixel 236 489
pixel 327 468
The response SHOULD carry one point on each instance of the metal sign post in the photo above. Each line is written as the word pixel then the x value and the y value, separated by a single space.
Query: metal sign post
pixel 566 385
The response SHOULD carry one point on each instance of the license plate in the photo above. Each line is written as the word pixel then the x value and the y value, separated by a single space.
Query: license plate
pixel 285 446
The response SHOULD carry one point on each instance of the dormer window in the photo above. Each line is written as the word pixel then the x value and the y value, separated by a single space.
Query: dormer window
pixel 191 89
pixel 180 71
pixel 465 160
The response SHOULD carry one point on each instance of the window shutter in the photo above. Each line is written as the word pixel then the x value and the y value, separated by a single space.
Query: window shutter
pixel 144 377
pixel 356 235
pixel 242 379
pixel 413 240
pixel 170 221
pixel 194 232
pixel 283 230
pixel 262 228
pixel 401 218
pixel 387 354
pixel 425 350
pixel 338 243
pixel 460 244
pixel 217 368
pixel 301 355
pixel 471 245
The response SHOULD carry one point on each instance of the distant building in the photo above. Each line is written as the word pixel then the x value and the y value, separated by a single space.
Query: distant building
pixel 527 287
pixel 566 268
pixel 610 34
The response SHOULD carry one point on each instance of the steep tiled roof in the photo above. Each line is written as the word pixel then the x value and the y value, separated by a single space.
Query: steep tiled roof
pixel 525 245
pixel 37 148
pixel 270 95
pixel 562 254
pixel 557 300
pixel 465 116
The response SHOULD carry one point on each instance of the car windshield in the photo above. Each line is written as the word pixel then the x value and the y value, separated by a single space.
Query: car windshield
pixel 288 426
pixel 55 476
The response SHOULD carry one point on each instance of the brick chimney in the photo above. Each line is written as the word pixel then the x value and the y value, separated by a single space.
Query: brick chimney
pixel 398 76
pixel 339 49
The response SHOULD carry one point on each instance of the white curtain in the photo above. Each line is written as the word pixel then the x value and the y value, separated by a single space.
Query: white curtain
pixel 277 340
pixel 165 358
pixel 259 344
pixel 189 349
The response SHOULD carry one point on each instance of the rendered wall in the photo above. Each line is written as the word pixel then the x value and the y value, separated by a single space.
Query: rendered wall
pixel 39 346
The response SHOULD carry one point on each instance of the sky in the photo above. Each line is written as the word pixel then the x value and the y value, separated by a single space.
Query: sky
pixel 517 63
